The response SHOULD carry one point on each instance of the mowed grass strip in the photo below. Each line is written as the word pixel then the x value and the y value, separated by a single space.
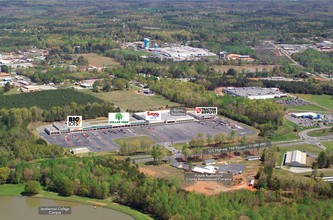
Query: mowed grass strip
pixel 321 132
pixel 129 140
pixel 323 100
pixel 46 99
pixel 131 100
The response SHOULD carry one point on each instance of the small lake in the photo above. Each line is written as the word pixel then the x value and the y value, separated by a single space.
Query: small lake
pixel 26 208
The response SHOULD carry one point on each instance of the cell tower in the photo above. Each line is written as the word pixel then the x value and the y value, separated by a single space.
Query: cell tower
pixel 155 50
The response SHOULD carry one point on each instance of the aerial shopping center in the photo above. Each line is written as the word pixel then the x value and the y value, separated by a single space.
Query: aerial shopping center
pixel 136 119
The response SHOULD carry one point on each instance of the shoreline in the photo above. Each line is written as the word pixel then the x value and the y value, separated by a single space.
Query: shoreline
pixel 17 189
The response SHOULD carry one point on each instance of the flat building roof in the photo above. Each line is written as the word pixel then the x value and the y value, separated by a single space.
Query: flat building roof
pixel 254 92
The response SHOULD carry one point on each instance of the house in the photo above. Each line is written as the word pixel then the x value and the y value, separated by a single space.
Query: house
pixel 209 162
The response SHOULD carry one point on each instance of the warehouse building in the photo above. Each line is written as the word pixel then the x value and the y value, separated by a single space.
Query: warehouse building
pixel 310 115
pixel 295 158
pixel 254 92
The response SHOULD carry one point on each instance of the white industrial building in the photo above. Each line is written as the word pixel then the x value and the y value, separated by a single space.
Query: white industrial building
pixel 254 92
pixel 310 115
pixel 295 158
pixel 206 170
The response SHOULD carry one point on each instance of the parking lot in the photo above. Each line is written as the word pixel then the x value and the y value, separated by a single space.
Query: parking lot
pixel 302 122
pixel 293 102
pixel 102 140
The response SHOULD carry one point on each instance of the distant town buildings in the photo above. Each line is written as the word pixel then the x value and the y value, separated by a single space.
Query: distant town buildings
pixel 240 57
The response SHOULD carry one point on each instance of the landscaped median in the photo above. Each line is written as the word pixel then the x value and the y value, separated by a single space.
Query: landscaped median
pixel 17 189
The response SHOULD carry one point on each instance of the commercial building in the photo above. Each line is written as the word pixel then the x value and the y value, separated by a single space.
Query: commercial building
pixel 180 53
pixel 295 158
pixel 254 92
pixel 310 115
pixel 165 117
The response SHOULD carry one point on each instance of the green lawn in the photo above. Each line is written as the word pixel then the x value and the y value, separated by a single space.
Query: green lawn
pixel 138 138
pixel 321 132
pixel 17 189
pixel 323 100
pixel 326 172
pixel 131 100
pixel 285 132
pixel 303 147
pixel 328 145
pixel 98 60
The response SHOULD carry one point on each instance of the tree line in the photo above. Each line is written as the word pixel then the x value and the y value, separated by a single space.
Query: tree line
pixel 118 180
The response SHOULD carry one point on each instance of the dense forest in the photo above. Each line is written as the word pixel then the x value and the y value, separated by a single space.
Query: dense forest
pixel 315 61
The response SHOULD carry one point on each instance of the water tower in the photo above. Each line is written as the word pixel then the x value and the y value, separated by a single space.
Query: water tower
pixel 146 43
pixel 156 50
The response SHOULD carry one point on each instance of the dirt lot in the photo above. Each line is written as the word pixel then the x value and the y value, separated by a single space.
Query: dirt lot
pixel 213 188
pixel 203 187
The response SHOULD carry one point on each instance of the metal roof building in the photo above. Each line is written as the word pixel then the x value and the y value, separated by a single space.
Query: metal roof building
pixel 254 92
pixel 295 158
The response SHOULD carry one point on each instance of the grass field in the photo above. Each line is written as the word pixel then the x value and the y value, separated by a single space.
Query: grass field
pixel 131 100
pixel 98 60
pixel 328 145
pixel 322 100
pixel 46 99
pixel 321 132
pixel 326 172
pixel 285 132
pixel 314 108
pixel 17 189
pixel 138 138
pixel 304 147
